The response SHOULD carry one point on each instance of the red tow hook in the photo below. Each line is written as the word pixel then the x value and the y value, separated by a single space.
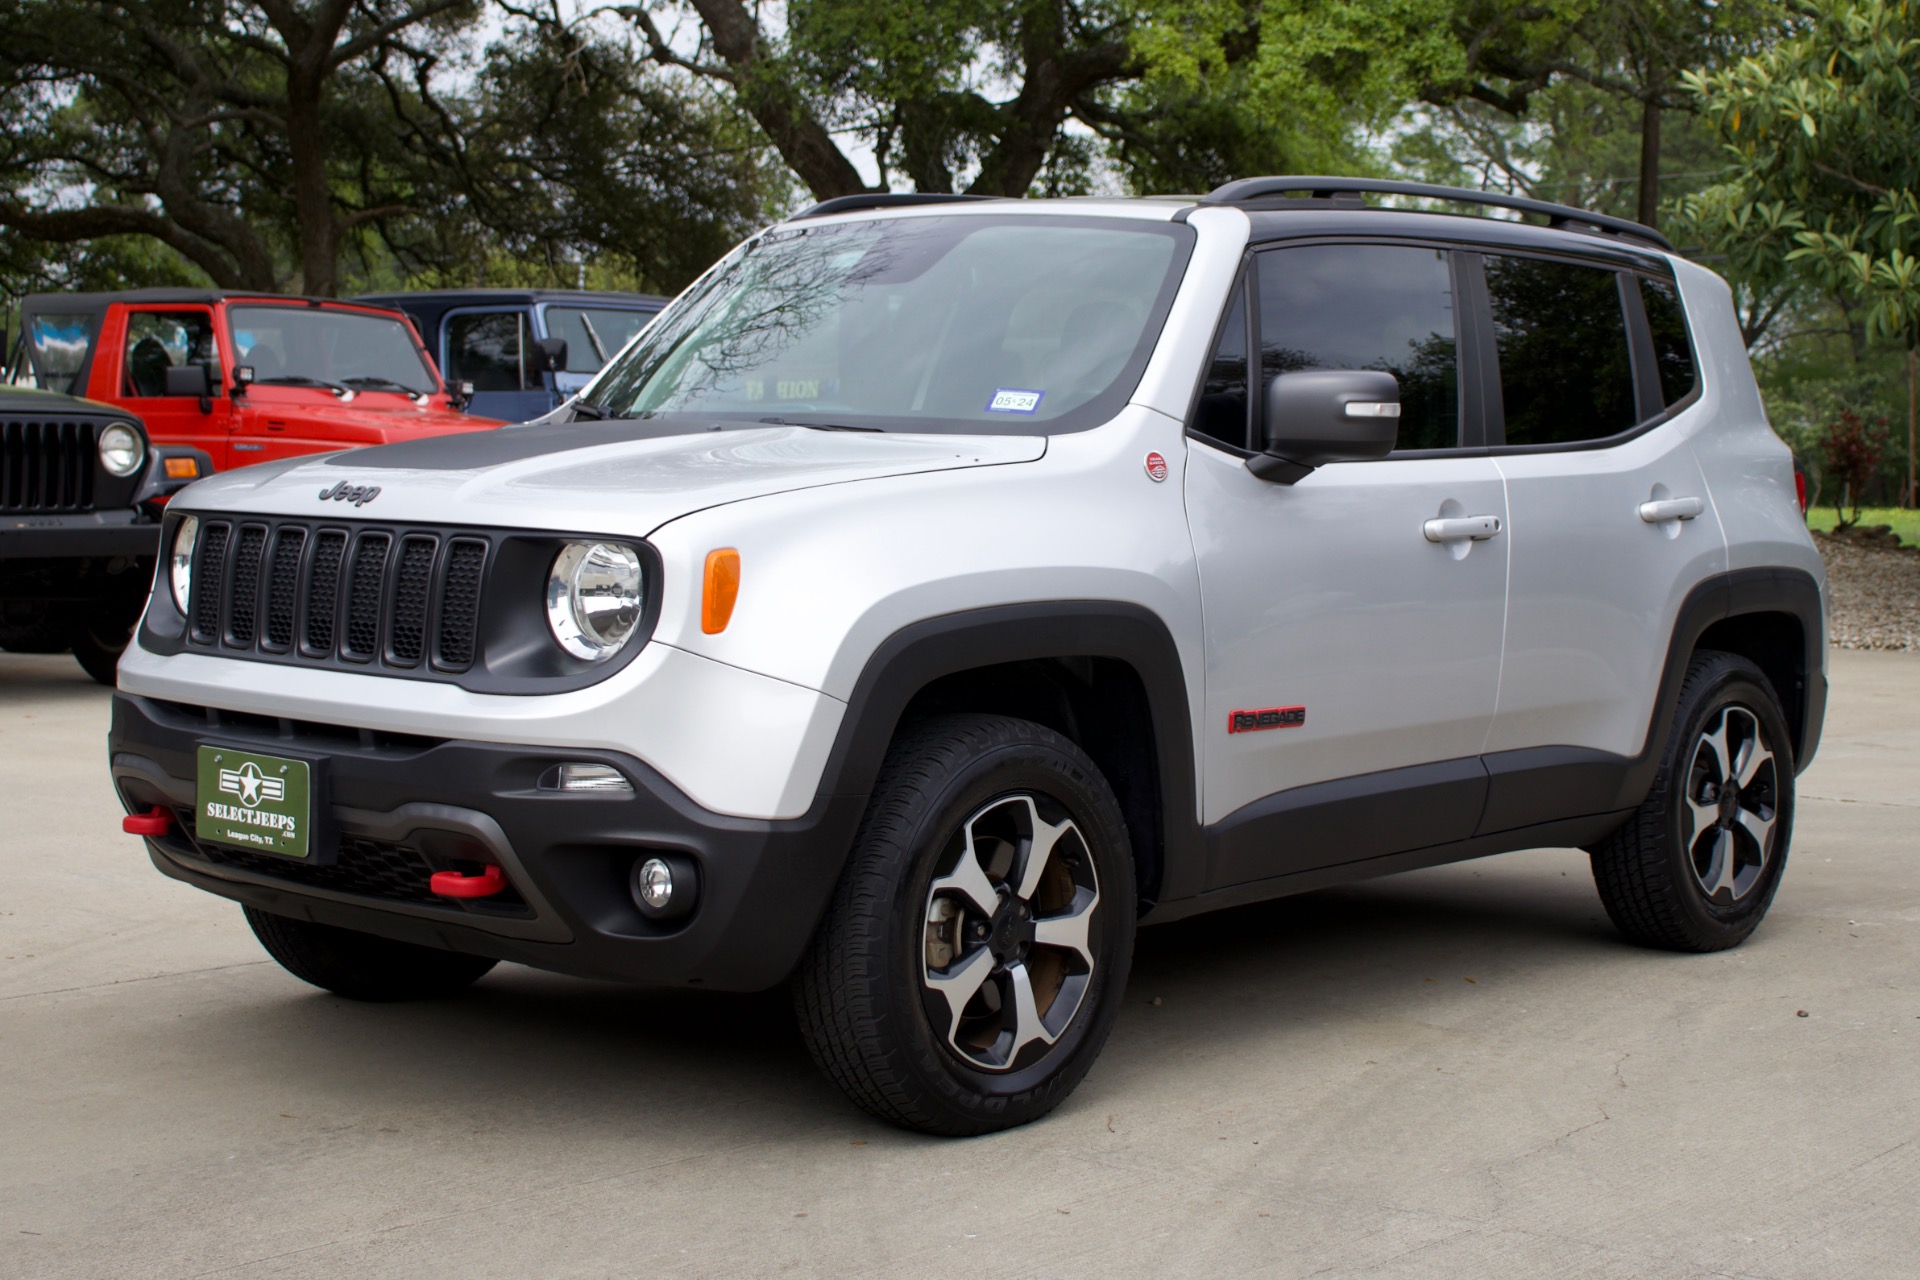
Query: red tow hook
pixel 451 884
pixel 154 822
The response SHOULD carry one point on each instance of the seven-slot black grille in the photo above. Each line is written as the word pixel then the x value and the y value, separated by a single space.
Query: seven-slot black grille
pixel 47 466
pixel 370 597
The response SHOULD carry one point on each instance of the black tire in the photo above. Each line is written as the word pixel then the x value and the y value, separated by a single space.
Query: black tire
pixel 97 646
pixel 865 994
pixel 361 966
pixel 1675 879
pixel 31 626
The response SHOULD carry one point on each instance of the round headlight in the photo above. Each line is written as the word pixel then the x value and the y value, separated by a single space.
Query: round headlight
pixel 122 450
pixel 594 598
pixel 180 562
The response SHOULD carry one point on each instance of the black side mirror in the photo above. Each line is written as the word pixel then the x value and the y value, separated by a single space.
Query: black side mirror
pixel 190 380
pixel 1326 415
pixel 550 355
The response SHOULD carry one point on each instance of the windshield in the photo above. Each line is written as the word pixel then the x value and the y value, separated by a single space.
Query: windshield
pixel 959 323
pixel 594 335
pixel 316 346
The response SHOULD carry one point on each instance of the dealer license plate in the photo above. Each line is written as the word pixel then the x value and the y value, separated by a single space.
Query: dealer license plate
pixel 257 802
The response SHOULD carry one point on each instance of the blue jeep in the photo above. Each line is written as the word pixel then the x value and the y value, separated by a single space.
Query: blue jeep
pixel 524 350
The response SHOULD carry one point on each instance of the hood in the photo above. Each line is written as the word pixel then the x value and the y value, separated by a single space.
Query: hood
pixel 367 420
pixel 625 479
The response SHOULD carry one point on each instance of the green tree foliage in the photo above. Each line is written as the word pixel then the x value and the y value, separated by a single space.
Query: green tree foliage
pixel 305 143
pixel 568 145
pixel 230 131
pixel 1059 96
pixel 1583 102
pixel 1823 129
pixel 937 89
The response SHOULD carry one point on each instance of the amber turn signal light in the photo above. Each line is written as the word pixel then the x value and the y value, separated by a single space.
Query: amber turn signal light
pixel 722 589
pixel 183 468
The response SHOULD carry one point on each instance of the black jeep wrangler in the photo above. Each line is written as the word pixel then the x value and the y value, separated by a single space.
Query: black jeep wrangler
pixel 81 493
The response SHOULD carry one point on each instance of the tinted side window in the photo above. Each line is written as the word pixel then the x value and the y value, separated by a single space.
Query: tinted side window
pixel 1672 352
pixel 1385 307
pixel 484 348
pixel 1565 372
pixel 158 340
pixel 1222 411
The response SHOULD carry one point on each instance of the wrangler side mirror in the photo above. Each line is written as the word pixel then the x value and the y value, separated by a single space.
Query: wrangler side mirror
pixel 190 380
pixel 1319 416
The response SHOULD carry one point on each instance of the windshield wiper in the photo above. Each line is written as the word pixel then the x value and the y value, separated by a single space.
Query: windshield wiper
pixel 302 380
pixel 590 412
pixel 815 426
pixel 593 336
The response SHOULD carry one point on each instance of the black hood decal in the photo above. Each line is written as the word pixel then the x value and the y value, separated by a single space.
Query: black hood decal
pixel 477 449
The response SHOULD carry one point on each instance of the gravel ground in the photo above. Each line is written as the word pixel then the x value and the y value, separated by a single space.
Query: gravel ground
pixel 1876 594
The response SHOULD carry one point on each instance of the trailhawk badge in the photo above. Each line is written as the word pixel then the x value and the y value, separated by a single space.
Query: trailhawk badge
pixel 261 803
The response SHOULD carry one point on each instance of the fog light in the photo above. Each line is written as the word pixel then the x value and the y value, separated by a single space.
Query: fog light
pixel 664 887
pixel 576 777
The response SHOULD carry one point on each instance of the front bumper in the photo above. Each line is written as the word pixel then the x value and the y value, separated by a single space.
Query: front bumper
pixel 90 535
pixel 403 807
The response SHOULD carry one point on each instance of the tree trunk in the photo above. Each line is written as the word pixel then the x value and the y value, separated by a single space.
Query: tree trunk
pixel 312 194
pixel 1913 355
pixel 797 134
pixel 1650 157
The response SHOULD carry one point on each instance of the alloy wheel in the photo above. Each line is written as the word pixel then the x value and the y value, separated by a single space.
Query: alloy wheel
pixel 1733 790
pixel 1009 950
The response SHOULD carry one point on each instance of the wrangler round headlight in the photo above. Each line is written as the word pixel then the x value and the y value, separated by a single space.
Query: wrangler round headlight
pixel 122 450
pixel 594 598
pixel 180 562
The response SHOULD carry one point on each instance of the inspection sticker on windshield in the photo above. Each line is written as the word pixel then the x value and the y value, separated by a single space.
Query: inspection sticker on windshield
pixel 1014 400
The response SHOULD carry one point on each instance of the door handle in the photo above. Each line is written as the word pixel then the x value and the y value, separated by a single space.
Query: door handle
pixel 1453 528
pixel 1671 509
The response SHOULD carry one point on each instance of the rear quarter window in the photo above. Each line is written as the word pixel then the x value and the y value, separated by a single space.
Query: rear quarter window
pixel 1672 347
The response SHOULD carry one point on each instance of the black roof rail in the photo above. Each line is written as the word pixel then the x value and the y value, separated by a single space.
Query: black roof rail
pixel 881 200
pixel 1248 190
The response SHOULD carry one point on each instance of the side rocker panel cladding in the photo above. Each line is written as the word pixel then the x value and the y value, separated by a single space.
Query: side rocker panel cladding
pixel 915 657
pixel 1546 784
pixel 1397 820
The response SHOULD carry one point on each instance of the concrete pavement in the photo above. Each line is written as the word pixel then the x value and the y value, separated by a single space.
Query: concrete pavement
pixel 1459 1072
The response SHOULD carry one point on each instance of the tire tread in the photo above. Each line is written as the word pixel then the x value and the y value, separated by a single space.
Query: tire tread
pixel 840 986
pixel 1636 868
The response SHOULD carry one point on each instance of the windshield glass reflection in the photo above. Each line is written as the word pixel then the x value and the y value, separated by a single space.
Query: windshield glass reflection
pixel 930 323
pixel 288 346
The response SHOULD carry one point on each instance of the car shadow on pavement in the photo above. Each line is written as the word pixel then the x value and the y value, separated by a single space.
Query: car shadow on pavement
pixel 578 1052
pixel 45 677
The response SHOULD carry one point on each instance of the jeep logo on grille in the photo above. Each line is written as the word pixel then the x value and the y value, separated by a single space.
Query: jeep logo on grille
pixel 358 494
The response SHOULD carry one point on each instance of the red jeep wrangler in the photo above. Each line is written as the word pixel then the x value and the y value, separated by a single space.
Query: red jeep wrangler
pixel 246 377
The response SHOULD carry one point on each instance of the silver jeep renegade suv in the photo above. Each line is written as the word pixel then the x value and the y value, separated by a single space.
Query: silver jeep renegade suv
pixel 940 589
